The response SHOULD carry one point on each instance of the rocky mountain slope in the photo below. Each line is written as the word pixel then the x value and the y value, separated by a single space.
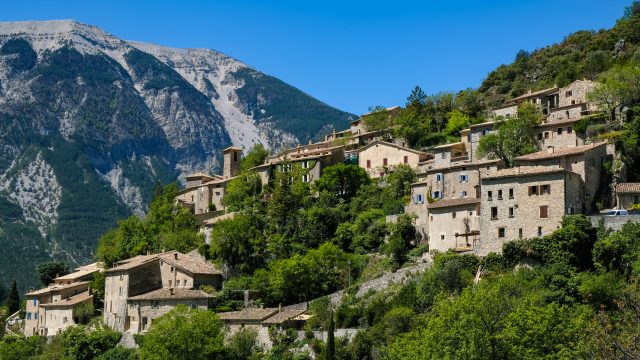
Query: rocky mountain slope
pixel 88 123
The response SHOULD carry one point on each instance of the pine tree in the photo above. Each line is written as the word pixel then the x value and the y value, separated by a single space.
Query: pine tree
pixel 13 301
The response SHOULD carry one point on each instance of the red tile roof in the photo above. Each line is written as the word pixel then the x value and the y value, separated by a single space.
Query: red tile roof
pixel 628 188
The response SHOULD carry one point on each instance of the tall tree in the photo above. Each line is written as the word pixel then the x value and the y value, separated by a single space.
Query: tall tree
pixel 331 343
pixel 13 301
pixel 342 180
pixel 47 271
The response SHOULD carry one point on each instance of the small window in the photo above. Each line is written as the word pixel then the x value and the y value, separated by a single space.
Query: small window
pixel 500 194
pixel 470 212
pixel 533 190
pixel 28 316
pixel 464 178
pixel 177 283
pixel 568 93
pixel 571 210
pixel 235 156
pixel 539 136
pixel 544 211
pixel 406 159
pixel 384 161
pixel 463 194
pixel 501 232
pixel 545 189
pixel 438 177
pixel 368 164
pixel 559 131
pixel 490 195
pixel 453 214
pixel 305 178
pixel 442 237
pixel 511 212
pixel 155 304
pixel 444 155
pixel 120 291
pixel 546 134
pixel 121 276
pixel 170 283
pixel 494 212
pixel 520 233
pixel 569 130
pixel 437 194
pixel 171 270
pixel 511 193
pixel 539 231
pixel 64 320
pixel 35 316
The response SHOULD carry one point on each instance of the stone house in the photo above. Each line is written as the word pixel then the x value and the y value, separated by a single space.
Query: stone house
pixel 130 279
pixel 379 156
pixel 203 193
pixel 307 162
pixel 461 180
pixel 362 136
pixel 50 310
pixel 627 195
pixel 559 134
pixel 262 319
pixel 454 224
pixel 586 161
pixel 473 136
pixel 143 309
pixel 447 154
pixel 522 203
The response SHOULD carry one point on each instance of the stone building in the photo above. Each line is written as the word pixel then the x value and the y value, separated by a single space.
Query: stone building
pixel 627 195
pixel 474 134
pixel 454 224
pixel 130 279
pixel 521 203
pixel 143 309
pixel 586 161
pixel 203 193
pixel 262 318
pixel 460 180
pixel 50 310
pixel 307 162
pixel 378 157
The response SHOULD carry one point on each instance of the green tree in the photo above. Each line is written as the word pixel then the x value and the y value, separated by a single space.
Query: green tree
pixel 254 157
pixel 238 243
pixel 331 344
pixel 47 271
pixel 618 86
pixel 183 331
pixel 86 343
pixel 243 345
pixel 377 119
pixel 342 180
pixel 514 137
pixel 13 300
pixel 15 347
pixel 457 122
pixel 83 313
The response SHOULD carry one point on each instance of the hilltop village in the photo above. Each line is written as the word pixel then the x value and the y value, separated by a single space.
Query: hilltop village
pixel 464 200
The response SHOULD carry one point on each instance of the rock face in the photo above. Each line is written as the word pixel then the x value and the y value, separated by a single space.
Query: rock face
pixel 89 122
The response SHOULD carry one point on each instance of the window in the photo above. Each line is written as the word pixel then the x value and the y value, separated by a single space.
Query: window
pixel 500 194
pixel 568 93
pixel 28 316
pixel 544 211
pixel 464 178
pixel 120 291
pixel 64 320
pixel 305 178
pixel 545 189
pixel 235 156
pixel 453 214
pixel 368 164
pixel 419 199
pixel 494 212
pixel 511 212
pixel 120 276
pixel 533 190
pixel 35 302
pixel 384 161
pixel 193 306
pixel 438 177
pixel 539 136
pixel 145 321
pixel 406 159
pixel 520 233
pixel 490 195
pixel 171 270
pixel 177 283
pixel 437 194
pixel 569 129
pixel 170 283
pixel 470 212
pixel 539 231
pixel 511 193
pixel 571 210
pixel 305 164
pixel 463 194
pixel 442 236
pixel 559 131
pixel 546 134
pixel 444 155
pixel 155 304
pixel 501 232
pixel 35 316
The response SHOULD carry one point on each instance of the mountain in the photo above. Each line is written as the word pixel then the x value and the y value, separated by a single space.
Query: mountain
pixel 89 122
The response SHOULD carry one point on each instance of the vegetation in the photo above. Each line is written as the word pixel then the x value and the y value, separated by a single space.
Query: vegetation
pixel 13 300
pixel 47 271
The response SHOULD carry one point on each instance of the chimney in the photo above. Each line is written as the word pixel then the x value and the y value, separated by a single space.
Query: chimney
pixel 170 291
pixel 246 298
pixel 280 307
pixel 175 255
pixel 550 149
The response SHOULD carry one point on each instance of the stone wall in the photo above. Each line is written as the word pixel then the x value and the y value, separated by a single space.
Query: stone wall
pixel 444 225
pixel 614 222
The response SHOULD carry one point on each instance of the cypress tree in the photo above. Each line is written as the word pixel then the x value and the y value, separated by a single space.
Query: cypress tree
pixel 331 345
pixel 13 301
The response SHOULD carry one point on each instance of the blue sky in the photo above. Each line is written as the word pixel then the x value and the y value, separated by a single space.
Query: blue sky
pixel 350 54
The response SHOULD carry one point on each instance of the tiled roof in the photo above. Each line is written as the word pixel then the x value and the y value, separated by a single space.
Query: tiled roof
pixel 565 151
pixel 527 171
pixel 70 301
pixel 465 164
pixel 187 263
pixel 197 175
pixel 534 93
pixel 59 287
pixel 452 202
pixel 384 143
pixel 486 123
pixel 166 294
pixel 283 316
pixel 248 314
pixel 557 123
pixel 81 272
pixel 446 146
pixel 628 188
pixel 132 262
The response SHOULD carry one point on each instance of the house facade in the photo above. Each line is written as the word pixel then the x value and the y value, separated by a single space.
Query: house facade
pixel 522 203
pixel 454 224
pixel 380 156
pixel 627 195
